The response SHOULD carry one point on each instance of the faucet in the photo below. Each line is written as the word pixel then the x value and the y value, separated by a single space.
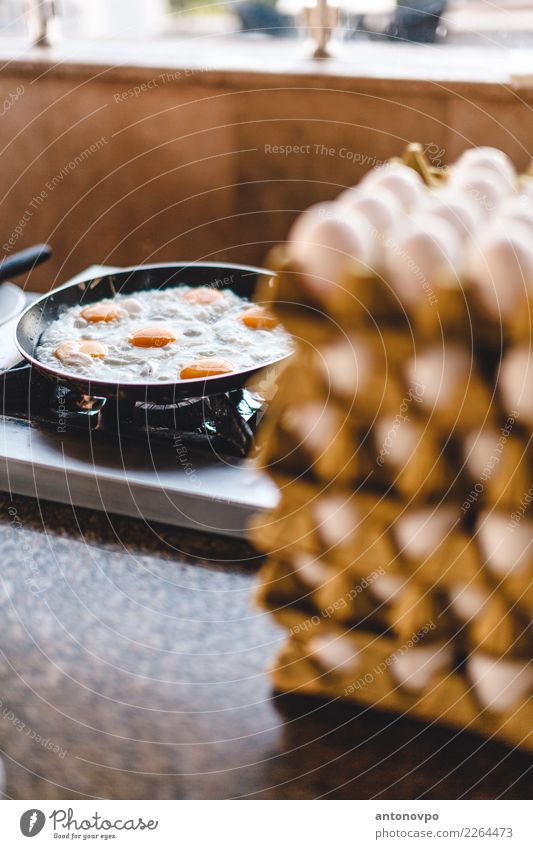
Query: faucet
pixel 43 22
pixel 321 19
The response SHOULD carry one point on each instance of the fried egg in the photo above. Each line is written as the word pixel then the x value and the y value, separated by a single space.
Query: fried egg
pixel 163 335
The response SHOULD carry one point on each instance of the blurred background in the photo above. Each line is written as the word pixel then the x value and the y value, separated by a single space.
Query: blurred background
pixel 164 130
pixel 489 22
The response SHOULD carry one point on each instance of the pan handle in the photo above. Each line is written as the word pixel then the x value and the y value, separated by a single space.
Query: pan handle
pixel 23 261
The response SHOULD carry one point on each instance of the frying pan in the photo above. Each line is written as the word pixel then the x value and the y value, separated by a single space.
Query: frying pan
pixel 241 279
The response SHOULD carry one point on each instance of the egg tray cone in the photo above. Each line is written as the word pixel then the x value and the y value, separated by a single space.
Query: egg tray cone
pixel 339 566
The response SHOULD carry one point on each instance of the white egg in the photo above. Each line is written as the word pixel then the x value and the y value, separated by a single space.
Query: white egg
pixel 387 587
pixel 479 447
pixel 500 684
pixel 486 188
pixel 314 424
pixel 419 253
pixel 382 209
pixel 517 208
pixel 459 211
pixel 334 652
pixel 420 532
pixel 416 669
pixel 345 365
pixel 500 267
pixel 400 180
pixel 442 372
pixel 397 443
pixel 467 600
pixel 489 158
pixel 336 520
pixel 324 242
pixel 515 383
pixel 507 548
pixel 310 569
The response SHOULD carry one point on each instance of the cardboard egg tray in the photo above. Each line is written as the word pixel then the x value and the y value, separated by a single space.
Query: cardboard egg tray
pixel 340 578
pixel 346 574
pixel 362 667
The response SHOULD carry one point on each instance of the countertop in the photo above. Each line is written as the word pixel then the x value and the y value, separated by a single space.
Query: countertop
pixel 133 666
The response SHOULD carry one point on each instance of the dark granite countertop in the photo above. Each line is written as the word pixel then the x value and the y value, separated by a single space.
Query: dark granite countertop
pixel 133 666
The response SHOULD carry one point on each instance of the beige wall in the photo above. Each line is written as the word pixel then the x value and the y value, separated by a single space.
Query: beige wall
pixel 188 170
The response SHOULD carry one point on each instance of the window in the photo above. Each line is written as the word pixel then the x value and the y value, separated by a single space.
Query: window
pixel 480 23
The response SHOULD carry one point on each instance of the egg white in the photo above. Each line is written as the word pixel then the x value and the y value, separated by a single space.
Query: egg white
pixel 203 330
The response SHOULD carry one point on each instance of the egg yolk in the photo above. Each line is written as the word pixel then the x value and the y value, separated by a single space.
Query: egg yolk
pixel 65 350
pixel 258 318
pixel 202 295
pixel 93 349
pixel 85 346
pixel 206 367
pixel 101 312
pixel 152 337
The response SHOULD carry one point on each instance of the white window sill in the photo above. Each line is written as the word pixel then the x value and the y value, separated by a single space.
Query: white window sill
pixel 239 57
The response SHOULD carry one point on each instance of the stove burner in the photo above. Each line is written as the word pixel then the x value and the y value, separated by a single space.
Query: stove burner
pixel 225 423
